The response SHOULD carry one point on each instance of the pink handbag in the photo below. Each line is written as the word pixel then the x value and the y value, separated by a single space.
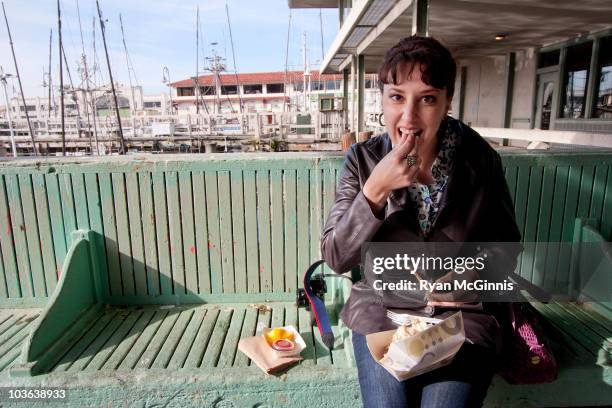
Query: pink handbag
pixel 528 357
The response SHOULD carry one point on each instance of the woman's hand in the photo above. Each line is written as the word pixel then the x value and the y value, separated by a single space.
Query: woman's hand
pixel 392 172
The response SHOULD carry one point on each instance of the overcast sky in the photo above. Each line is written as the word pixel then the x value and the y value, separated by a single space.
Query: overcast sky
pixel 159 33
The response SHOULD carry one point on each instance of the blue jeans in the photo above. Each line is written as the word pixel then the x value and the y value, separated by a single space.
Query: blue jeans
pixel 462 383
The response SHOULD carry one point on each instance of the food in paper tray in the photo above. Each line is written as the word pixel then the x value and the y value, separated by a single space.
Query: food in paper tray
pixel 405 331
pixel 421 346
pixel 285 341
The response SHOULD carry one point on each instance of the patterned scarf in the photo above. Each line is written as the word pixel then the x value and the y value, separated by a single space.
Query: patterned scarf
pixel 426 197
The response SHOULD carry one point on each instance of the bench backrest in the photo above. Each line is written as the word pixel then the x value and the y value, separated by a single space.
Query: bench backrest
pixel 237 227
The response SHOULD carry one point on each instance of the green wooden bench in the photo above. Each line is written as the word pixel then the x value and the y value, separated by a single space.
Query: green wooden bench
pixel 164 263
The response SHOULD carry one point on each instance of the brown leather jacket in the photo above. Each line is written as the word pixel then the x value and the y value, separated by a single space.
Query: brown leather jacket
pixel 476 207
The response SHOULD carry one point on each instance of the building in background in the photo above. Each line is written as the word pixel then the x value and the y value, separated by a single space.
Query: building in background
pixel 521 64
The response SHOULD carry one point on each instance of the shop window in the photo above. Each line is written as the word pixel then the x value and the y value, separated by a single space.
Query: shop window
pixel 184 91
pixel 207 90
pixel 548 59
pixel 603 92
pixel 229 89
pixel 576 77
pixel 275 88
pixel 253 89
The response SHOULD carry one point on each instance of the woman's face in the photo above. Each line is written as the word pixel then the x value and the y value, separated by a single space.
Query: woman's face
pixel 414 107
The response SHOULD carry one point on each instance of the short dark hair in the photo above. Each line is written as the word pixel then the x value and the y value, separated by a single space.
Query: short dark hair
pixel 438 67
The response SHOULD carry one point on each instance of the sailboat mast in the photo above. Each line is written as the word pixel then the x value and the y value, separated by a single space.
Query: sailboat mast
pixel 234 58
pixel 50 50
pixel 61 73
pixel 110 75
pixel 127 62
pixel 196 85
pixel 19 80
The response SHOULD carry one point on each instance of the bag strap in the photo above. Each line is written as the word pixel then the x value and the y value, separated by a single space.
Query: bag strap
pixel 318 307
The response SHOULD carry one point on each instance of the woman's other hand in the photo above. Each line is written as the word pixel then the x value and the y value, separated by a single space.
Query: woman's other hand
pixel 392 172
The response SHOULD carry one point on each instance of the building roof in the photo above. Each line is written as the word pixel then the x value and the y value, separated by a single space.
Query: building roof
pixel 277 77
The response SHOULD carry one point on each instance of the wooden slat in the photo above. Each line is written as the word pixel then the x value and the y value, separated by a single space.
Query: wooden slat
pixel 264 319
pixel 214 235
pixel 586 191
pixel 9 321
pixel 68 209
pixel 172 341
pixel 580 330
pixel 303 224
pixel 16 329
pixel 277 222
pixel 73 353
pixel 150 354
pixel 135 351
pixel 292 271
pixel 9 259
pixel 110 233
pixel 32 235
pixel 606 214
pixel 250 226
pixel 137 244
pixel 316 208
pixel 599 190
pixel 162 234
pixel 263 225
pixel 112 344
pixel 149 234
pixel 57 225
pixel 44 226
pixel 3 288
pixel 187 340
pixel 95 348
pixel 521 197
pixel 602 327
pixel 215 344
pixel 546 204
pixel 187 219
pixel 556 225
pixel 238 232
pixel 531 221
pixel 123 234
pixel 201 232
pixel 511 173
pixel 230 345
pixel 329 194
pixel 278 316
pixel 225 230
pixel 339 353
pixel 80 201
pixel 127 346
pixel 248 329
pixel 19 236
pixel 200 344
pixel 176 235
pixel 569 216
pixel 305 329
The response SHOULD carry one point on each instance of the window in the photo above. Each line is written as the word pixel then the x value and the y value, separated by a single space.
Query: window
pixel 603 92
pixel 207 90
pixel 152 104
pixel 229 89
pixel 317 85
pixel 184 91
pixel 368 83
pixel 68 106
pixel 253 89
pixel 576 76
pixel 548 59
pixel 30 108
pixel 275 88
pixel 331 85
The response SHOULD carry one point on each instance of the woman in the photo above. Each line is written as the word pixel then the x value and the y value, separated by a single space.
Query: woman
pixel 428 178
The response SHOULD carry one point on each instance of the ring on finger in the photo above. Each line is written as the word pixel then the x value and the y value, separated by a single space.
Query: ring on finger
pixel 411 160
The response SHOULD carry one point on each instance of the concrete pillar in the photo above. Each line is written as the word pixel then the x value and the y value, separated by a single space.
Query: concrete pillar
pixel 353 92
pixel 420 18
pixel 360 93
pixel 345 94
